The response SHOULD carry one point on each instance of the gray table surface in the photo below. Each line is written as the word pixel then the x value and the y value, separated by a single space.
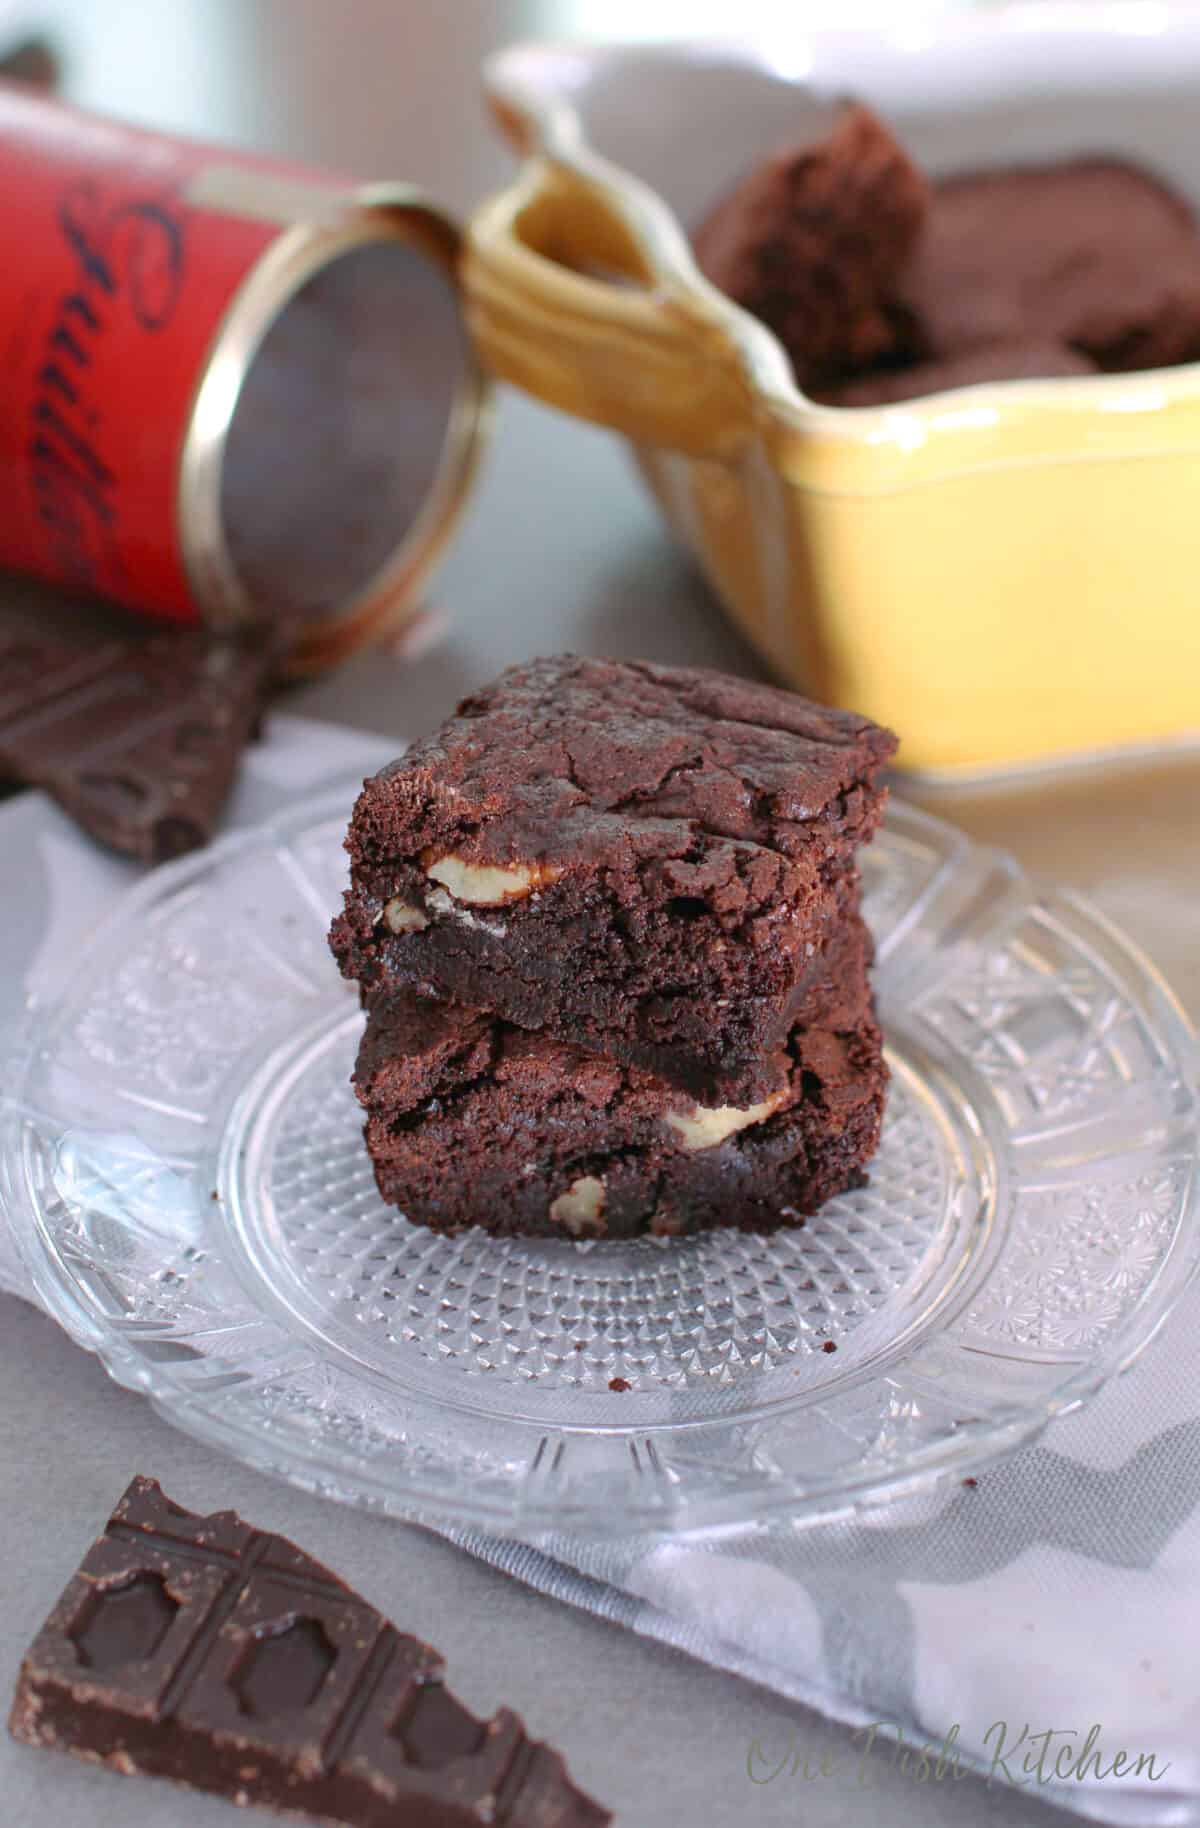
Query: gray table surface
pixel 559 550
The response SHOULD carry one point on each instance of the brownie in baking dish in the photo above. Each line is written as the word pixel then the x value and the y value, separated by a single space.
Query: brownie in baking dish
pixel 648 862
pixel 1092 253
pixel 884 286
pixel 472 1121
pixel 989 362
pixel 811 240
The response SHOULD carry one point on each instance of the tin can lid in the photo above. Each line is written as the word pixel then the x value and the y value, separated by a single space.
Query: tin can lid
pixel 336 429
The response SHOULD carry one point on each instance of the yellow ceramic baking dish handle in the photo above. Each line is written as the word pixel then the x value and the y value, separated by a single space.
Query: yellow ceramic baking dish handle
pixel 564 301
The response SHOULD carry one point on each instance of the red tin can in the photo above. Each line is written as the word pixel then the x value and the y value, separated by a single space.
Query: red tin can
pixel 232 389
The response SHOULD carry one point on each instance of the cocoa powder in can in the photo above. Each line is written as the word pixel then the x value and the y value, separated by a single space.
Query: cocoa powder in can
pixel 233 391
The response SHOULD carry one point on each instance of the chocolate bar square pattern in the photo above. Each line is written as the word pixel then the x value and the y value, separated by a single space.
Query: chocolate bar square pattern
pixel 137 733
pixel 204 1650
pixel 647 862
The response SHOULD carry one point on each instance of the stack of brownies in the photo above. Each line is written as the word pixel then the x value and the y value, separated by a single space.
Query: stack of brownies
pixel 605 924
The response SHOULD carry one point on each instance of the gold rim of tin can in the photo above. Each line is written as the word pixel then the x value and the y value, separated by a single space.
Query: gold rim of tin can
pixel 317 228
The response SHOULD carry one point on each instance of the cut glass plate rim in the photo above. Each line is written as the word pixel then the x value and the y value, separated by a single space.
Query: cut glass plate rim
pixel 422 1480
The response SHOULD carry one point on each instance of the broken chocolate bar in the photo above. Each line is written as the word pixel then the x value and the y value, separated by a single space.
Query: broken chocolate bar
pixel 202 1649
pixel 137 736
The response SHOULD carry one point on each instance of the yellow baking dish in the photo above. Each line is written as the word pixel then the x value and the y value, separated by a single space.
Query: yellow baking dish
pixel 1005 573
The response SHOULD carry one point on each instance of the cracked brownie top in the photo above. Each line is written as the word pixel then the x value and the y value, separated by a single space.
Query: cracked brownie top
pixel 648 861
pixel 561 759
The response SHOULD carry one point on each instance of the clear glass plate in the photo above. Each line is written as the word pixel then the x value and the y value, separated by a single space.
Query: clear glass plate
pixel 183 1167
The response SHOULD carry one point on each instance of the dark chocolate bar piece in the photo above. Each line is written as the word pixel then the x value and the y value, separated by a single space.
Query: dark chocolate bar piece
pixel 137 736
pixel 202 1649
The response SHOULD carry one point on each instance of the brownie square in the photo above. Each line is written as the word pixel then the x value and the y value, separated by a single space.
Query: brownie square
pixel 989 362
pixel 811 240
pixel 648 862
pixel 472 1121
pixel 1091 253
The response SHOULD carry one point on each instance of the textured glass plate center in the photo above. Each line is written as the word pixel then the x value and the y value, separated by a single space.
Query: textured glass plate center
pixel 724 1321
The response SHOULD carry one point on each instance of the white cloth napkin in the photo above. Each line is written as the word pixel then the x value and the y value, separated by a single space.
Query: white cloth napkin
pixel 1042 1626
